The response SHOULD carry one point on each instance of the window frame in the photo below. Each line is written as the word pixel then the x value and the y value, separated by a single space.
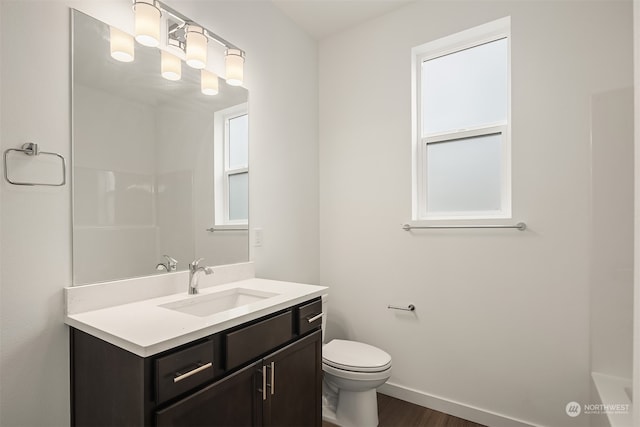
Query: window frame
pixel 222 170
pixel 477 36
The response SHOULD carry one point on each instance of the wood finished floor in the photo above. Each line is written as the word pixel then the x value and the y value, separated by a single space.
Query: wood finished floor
pixel 394 412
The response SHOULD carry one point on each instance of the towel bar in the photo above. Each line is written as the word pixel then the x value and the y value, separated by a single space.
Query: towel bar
pixel 521 226
pixel 31 149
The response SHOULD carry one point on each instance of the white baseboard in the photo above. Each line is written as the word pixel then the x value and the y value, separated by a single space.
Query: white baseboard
pixel 450 407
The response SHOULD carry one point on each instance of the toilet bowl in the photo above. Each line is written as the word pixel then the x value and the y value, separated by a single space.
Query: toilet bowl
pixel 352 373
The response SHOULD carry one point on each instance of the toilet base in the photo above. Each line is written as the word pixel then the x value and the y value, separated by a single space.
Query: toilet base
pixel 354 409
pixel 329 416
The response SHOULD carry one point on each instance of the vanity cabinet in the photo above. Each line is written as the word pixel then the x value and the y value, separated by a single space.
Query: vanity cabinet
pixel 267 372
pixel 279 390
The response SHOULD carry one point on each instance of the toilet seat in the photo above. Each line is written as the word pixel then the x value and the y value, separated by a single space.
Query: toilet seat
pixel 355 356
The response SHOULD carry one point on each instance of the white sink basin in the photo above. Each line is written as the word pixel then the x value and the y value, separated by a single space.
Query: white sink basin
pixel 206 305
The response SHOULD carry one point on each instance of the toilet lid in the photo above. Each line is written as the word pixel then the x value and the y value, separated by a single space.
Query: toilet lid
pixel 355 356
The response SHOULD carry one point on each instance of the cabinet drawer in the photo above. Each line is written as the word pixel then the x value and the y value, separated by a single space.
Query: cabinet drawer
pixel 309 316
pixel 231 401
pixel 183 370
pixel 252 341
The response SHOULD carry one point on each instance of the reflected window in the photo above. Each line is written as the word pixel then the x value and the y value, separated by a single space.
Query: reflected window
pixel 231 157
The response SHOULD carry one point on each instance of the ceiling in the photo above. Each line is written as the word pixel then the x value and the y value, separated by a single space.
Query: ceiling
pixel 322 18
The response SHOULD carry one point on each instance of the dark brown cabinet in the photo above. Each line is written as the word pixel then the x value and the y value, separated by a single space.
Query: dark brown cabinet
pixel 264 373
pixel 282 390
pixel 232 401
pixel 294 384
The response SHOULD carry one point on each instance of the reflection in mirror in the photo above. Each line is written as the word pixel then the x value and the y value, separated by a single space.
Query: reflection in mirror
pixel 143 165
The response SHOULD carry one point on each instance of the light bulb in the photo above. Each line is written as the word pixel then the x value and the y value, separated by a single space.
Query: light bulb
pixel 147 26
pixel 196 50
pixel 208 82
pixel 234 61
pixel 121 45
pixel 170 66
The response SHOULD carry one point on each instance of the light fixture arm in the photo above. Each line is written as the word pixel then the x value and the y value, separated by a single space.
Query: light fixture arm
pixel 183 22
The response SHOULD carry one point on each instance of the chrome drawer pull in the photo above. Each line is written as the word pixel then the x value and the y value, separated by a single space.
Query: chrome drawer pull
pixel 314 318
pixel 200 368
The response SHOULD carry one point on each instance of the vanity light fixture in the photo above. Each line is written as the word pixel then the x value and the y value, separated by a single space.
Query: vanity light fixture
pixel 170 66
pixel 121 45
pixel 183 34
pixel 208 82
pixel 234 62
pixel 196 47
pixel 147 22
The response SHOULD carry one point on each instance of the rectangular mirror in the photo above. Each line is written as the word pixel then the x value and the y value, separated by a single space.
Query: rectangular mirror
pixel 151 175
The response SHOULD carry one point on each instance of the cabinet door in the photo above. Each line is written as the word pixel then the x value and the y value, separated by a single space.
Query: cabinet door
pixel 234 401
pixel 294 384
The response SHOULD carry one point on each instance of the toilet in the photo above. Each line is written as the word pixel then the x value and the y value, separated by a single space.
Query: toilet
pixel 352 373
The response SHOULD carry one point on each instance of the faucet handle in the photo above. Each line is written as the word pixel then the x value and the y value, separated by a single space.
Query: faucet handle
pixel 194 264
pixel 172 263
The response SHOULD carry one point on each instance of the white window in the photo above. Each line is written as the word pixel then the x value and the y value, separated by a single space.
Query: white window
pixel 461 109
pixel 231 170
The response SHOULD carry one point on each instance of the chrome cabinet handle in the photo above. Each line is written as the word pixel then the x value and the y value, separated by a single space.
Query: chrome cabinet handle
pixel 273 378
pixel 314 318
pixel 200 368
pixel 264 383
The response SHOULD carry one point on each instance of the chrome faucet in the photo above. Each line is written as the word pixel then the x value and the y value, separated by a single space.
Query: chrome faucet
pixel 171 264
pixel 194 269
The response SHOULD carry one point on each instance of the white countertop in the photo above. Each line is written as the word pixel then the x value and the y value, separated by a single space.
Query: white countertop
pixel 144 328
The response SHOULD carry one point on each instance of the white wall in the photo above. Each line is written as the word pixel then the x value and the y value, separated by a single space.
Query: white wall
pixel 636 234
pixel 611 291
pixel 502 319
pixel 1 145
pixel 281 75
pixel 36 226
